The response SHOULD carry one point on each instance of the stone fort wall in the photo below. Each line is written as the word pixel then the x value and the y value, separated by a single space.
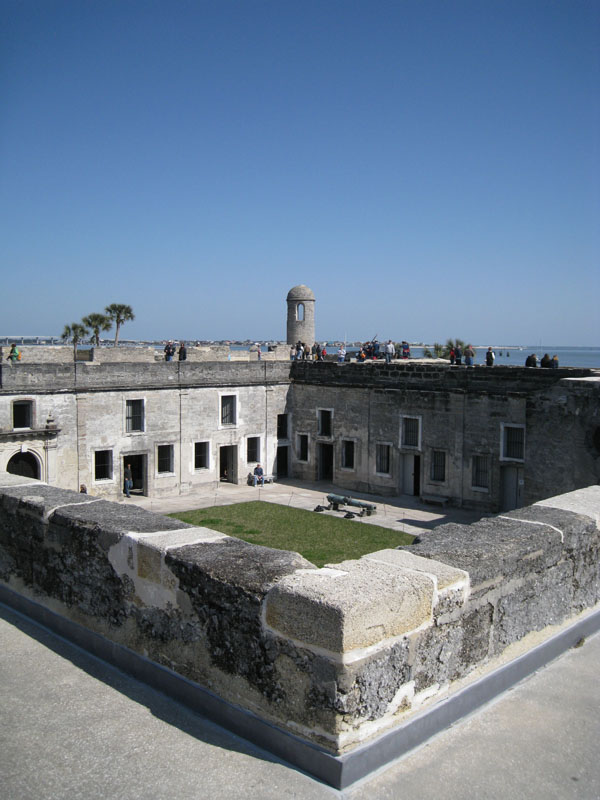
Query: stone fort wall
pixel 336 656
pixel 459 416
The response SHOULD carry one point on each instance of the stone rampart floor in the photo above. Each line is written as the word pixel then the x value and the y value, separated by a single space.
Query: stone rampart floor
pixel 401 513
pixel 74 728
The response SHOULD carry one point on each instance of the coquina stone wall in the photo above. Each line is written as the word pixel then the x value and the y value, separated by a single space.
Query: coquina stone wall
pixel 63 354
pixel 334 655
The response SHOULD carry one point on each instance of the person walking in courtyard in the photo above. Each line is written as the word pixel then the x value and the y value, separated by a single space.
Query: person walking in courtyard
pixel 259 475
pixel 128 480
pixel 182 352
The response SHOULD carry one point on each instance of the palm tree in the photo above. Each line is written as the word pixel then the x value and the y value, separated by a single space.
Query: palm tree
pixel 453 344
pixel 97 322
pixel 119 313
pixel 76 331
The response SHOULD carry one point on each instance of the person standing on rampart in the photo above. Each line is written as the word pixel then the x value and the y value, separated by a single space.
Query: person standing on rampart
pixel 490 357
pixel 469 355
pixel 390 351
pixel 169 351
pixel 182 352
pixel 458 354
pixel 14 354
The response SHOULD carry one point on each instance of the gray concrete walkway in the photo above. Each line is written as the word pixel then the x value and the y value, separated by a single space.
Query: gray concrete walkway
pixel 74 728
pixel 402 513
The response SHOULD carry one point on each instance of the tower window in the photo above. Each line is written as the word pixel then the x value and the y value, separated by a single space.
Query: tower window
pixel 300 312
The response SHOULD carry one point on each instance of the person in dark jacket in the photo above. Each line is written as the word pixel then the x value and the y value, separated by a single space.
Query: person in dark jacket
pixel 182 352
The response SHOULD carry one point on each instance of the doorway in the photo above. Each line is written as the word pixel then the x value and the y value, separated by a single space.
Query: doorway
pixel 511 487
pixel 228 463
pixel 324 462
pixel 411 474
pixel 138 472
pixel 282 461
pixel 24 464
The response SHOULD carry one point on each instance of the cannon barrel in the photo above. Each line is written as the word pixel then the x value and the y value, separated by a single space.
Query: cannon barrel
pixel 343 500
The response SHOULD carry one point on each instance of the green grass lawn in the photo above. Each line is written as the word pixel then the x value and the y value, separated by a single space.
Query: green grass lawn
pixel 320 538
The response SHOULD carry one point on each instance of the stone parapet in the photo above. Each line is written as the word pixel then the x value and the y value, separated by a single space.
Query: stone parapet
pixel 335 656
pixel 436 377
pixel 83 376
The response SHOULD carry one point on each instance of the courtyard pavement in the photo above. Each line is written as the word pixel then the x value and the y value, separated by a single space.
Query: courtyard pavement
pixel 401 513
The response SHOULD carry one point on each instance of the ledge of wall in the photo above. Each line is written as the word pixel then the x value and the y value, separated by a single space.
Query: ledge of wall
pixel 336 655
pixel 84 376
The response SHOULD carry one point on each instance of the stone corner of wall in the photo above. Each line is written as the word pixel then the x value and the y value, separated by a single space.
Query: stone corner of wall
pixel 349 606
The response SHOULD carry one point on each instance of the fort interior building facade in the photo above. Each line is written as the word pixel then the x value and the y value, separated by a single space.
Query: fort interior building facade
pixel 486 438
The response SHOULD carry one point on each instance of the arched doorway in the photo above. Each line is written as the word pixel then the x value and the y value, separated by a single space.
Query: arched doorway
pixel 24 464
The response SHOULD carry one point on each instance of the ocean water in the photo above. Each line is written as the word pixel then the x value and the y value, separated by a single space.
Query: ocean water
pixel 515 356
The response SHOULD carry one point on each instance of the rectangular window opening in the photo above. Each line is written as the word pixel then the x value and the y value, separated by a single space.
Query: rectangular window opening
pixel 282 426
pixel 165 458
pixel 201 455
pixel 103 465
pixel 324 422
pixel 302 447
pixel 513 442
pixel 382 459
pixel 438 465
pixel 348 454
pixel 22 414
pixel 410 432
pixel 481 472
pixel 253 448
pixel 134 417
pixel 228 409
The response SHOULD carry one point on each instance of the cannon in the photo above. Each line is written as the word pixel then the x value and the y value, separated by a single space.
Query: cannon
pixel 337 500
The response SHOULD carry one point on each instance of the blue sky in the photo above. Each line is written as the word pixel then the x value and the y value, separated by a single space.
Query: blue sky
pixel 429 169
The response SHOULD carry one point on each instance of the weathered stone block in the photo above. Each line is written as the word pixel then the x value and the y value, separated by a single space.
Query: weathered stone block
pixel 350 605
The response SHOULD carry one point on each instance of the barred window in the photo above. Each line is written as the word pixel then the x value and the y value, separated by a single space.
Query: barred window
pixel 410 432
pixel 134 417
pixel 348 454
pixel 228 409
pixel 103 465
pixel 201 455
pixel 165 458
pixel 253 448
pixel 481 472
pixel 302 447
pixel 382 458
pixel 513 442
pixel 438 465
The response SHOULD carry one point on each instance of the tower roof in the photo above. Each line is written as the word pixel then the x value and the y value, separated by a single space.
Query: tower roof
pixel 301 292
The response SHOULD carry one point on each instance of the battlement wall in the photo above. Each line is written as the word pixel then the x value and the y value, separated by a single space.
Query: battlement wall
pixel 84 376
pixel 335 656
pixel 435 377
pixel 63 354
